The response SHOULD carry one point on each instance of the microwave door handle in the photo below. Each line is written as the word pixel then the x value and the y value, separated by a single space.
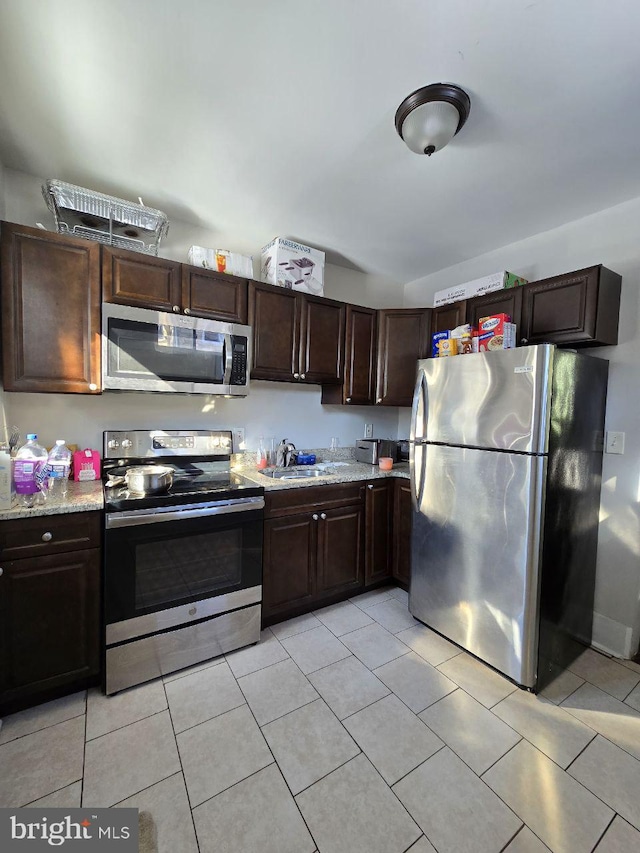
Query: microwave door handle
pixel 228 359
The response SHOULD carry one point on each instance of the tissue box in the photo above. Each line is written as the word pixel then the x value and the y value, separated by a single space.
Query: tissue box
pixel 477 287
pixel 290 264
pixel 220 260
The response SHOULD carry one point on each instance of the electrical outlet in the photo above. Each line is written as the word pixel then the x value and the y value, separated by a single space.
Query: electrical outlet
pixel 368 430
pixel 238 440
pixel 615 442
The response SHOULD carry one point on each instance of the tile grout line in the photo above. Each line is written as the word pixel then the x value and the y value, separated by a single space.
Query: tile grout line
pixel 184 778
pixel 575 758
pixel 276 763
pixel 606 829
pixel 126 725
pixel 42 729
pixel 176 675
pixel 84 747
pixel 516 833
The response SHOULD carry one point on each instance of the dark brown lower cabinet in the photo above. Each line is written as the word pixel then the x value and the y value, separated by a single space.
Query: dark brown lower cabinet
pixel 323 544
pixel 378 530
pixel 49 626
pixel 402 514
pixel 340 553
pixel 289 563
pixel 313 548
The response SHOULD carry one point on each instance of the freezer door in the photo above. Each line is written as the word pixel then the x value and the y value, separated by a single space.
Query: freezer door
pixel 475 553
pixel 497 399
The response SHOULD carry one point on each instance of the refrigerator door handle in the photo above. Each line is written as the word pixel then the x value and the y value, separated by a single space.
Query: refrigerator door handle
pixel 417 461
pixel 419 409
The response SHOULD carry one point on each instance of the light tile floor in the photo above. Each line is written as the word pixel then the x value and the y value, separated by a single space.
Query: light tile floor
pixel 354 730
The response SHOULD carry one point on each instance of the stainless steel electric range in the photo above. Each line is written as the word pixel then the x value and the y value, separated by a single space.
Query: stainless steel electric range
pixel 183 567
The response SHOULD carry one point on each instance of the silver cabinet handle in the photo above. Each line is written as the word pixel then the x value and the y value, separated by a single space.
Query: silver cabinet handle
pixel 303 376
pixel 296 376
pixel 323 515
pixel 348 399
pixel 176 309
pixel 1 572
pixel 370 486
pixel 379 400
pixel 187 311
pixel 315 516
pixel 93 386
pixel 47 537
pixel 524 340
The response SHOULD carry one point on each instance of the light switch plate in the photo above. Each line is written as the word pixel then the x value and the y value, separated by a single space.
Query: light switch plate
pixel 615 442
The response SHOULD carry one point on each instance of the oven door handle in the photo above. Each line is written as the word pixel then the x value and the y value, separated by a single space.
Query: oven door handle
pixel 135 519
pixel 228 359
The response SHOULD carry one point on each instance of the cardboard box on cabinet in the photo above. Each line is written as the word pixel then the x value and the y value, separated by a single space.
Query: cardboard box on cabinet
pixel 293 265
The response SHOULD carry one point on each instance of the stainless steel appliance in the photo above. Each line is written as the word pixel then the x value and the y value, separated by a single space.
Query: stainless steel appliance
pixel 506 461
pixel 183 568
pixel 371 449
pixel 145 350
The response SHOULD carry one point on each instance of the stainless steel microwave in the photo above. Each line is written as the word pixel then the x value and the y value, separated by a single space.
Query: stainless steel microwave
pixel 145 350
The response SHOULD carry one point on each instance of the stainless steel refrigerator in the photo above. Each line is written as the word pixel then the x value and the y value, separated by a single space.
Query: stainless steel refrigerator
pixel 506 462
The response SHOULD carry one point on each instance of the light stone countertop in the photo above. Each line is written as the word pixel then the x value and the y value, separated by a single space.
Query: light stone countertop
pixel 81 497
pixel 352 472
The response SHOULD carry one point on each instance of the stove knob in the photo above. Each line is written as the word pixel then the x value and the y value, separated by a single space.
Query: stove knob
pixel 113 443
pixel 126 442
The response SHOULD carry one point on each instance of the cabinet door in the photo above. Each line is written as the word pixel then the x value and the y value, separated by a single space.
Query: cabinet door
pixel 378 527
pixel 402 516
pixel 448 316
pixel 321 340
pixel 50 311
pixel 403 338
pixel 360 349
pixel 131 278
pixel 288 563
pixel 576 308
pixel 506 301
pixel 212 294
pixel 340 552
pixel 273 313
pixel 49 623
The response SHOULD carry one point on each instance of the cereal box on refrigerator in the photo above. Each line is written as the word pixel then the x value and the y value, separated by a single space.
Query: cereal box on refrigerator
pixel 496 332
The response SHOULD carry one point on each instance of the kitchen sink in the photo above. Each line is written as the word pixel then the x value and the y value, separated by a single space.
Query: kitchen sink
pixel 295 473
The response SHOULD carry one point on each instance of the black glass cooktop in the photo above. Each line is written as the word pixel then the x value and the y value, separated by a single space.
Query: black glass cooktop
pixel 192 483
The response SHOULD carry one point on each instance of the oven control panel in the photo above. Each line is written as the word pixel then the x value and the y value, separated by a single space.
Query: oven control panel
pixel 138 444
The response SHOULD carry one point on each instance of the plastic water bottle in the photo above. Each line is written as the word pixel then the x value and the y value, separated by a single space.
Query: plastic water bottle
pixel 29 472
pixel 59 465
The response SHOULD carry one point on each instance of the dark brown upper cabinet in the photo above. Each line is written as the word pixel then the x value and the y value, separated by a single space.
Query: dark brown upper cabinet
pixel 506 301
pixel 296 338
pixel 215 295
pixel 448 317
pixel 579 308
pixel 358 387
pixel 403 338
pixel 131 278
pixel 50 311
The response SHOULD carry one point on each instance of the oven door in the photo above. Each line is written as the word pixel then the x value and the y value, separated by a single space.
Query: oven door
pixel 169 566
pixel 145 350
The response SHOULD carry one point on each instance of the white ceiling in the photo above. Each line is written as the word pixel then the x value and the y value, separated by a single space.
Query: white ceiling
pixel 259 119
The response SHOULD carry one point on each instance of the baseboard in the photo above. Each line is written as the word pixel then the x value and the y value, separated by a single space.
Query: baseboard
pixel 613 637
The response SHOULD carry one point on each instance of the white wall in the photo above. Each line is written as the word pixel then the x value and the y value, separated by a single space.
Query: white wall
pixel 610 237
pixel 271 409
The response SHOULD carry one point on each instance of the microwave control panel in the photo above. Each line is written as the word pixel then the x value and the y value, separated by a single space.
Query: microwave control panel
pixel 238 360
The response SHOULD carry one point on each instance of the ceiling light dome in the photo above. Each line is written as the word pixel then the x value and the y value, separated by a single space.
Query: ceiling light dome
pixel 430 117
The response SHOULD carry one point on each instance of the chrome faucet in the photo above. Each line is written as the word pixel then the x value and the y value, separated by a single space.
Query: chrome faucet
pixel 285 454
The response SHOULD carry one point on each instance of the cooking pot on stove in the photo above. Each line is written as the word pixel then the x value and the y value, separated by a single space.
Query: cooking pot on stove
pixel 145 479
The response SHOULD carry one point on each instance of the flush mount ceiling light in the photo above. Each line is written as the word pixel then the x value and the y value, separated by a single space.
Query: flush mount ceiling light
pixel 430 117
